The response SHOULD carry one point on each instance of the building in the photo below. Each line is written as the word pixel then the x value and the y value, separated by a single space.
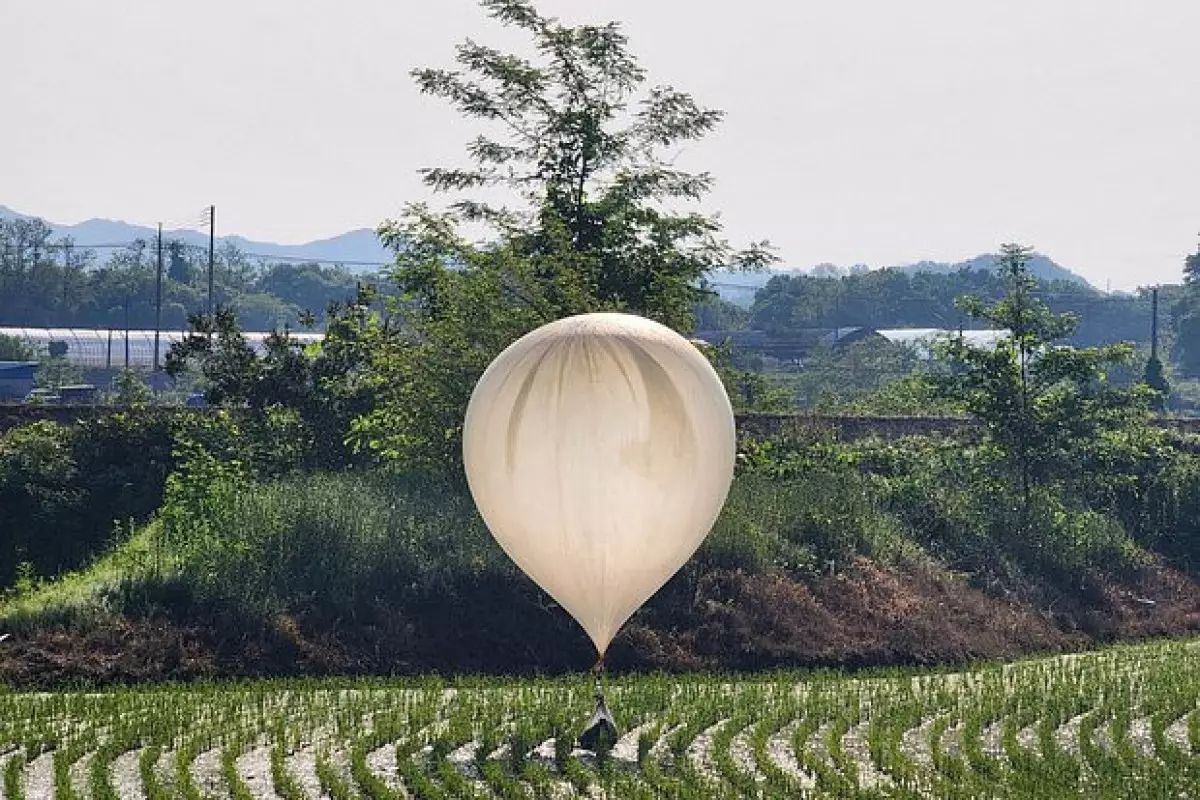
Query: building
pixel 100 349
pixel 16 379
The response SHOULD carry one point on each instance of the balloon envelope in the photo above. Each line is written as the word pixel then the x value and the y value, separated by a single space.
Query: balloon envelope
pixel 599 450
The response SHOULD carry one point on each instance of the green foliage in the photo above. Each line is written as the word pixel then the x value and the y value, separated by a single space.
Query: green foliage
pixel 869 375
pixel 129 388
pixel 318 542
pixel 55 372
pixel 1039 402
pixel 804 525
pixel 715 314
pixel 65 490
pixel 749 390
pixel 1155 378
pixel 421 376
pixel 947 498
pixel 1191 267
pixel 907 396
pixel 1185 317
pixel 586 150
pixel 14 349
pixel 64 286
pixel 305 398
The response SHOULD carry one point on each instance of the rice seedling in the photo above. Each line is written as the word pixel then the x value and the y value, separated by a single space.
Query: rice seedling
pixel 1098 724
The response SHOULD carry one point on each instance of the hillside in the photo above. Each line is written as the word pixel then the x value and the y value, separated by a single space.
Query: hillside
pixel 358 249
pixel 1039 265
pixel 741 287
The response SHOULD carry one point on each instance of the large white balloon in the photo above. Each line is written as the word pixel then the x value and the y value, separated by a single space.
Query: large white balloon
pixel 599 450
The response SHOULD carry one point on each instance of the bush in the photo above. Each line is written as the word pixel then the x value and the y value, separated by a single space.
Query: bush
pixel 65 489
pixel 339 545
pixel 953 500
pixel 328 543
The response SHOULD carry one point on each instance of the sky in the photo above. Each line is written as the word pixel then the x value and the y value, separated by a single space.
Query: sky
pixel 857 131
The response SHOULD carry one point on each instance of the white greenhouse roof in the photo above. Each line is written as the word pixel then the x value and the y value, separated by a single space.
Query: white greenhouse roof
pixel 100 347
pixel 922 339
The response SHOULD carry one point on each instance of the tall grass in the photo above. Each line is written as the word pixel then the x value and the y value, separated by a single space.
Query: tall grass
pixel 332 542
pixel 339 545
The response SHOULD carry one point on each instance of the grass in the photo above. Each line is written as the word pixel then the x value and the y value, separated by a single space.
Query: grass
pixel 723 733
pixel 337 542
pixel 74 597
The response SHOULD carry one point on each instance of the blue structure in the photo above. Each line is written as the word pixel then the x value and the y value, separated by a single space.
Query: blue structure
pixel 16 379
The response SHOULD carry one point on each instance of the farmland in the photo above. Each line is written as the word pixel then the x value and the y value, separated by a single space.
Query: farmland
pixel 1115 723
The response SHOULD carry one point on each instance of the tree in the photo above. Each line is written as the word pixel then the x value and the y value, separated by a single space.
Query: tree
pixel 1040 403
pixel 129 388
pixel 1186 314
pixel 55 372
pixel 750 391
pixel 1155 377
pixel 14 349
pixel 584 152
pixel 839 377
pixel 593 185
pixel 178 268
pixel 1191 267
pixel 716 314
pixel 313 393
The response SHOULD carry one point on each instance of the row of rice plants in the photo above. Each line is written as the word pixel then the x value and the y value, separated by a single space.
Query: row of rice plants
pixel 1099 724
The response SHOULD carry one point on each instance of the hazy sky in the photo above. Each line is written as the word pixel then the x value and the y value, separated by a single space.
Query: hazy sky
pixel 870 131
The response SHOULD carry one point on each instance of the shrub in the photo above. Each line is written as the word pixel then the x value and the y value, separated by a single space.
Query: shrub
pixel 64 490
pixel 330 543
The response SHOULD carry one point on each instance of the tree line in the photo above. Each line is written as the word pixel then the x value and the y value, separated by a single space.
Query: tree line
pixel 48 282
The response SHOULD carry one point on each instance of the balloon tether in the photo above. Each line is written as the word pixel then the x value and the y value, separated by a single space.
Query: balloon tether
pixel 598 674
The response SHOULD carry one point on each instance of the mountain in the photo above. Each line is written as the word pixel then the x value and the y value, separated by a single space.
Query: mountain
pixel 358 250
pixel 740 287
pixel 1039 266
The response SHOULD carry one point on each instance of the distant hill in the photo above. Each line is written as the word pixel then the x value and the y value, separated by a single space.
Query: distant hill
pixel 358 250
pixel 361 251
pixel 1039 265
pixel 740 287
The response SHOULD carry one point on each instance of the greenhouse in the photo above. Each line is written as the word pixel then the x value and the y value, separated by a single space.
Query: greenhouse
pixel 99 348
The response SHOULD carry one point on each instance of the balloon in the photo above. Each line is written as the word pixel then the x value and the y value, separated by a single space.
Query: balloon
pixel 599 450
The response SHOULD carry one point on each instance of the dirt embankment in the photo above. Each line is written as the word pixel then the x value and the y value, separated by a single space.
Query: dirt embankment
pixel 866 616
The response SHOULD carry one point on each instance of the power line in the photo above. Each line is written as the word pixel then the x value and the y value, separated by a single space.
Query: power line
pixel 1081 297
pixel 305 260
pixel 204 248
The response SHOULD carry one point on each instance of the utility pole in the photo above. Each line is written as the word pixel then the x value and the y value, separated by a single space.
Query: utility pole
pixel 158 297
pixel 66 271
pixel 212 238
pixel 127 329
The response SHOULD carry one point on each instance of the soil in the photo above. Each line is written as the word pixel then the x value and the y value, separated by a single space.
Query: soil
pixel 866 616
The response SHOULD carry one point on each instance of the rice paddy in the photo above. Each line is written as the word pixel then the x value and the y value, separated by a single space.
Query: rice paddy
pixel 1114 723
